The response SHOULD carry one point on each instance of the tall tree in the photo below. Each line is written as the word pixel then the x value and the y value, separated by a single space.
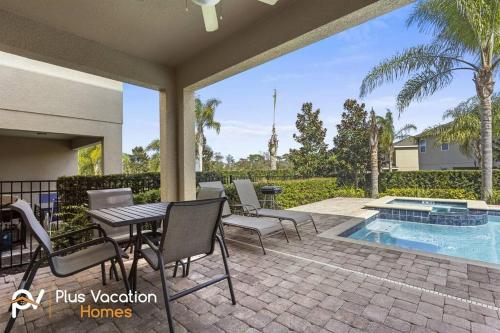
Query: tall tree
pixel 153 149
pixel 374 133
pixel 388 134
pixel 351 144
pixel 464 128
pixel 137 162
pixel 465 39
pixel 311 158
pixel 90 160
pixel 273 141
pixel 205 119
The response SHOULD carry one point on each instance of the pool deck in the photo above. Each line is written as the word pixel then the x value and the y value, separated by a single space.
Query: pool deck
pixel 314 285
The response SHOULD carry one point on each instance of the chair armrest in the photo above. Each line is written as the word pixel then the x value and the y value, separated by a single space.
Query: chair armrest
pixel 247 208
pixel 102 233
pixel 150 243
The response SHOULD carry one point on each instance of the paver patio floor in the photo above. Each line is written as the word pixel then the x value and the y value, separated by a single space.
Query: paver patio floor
pixel 313 285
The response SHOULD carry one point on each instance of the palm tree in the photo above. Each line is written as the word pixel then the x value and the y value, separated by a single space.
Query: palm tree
pixel 90 160
pixel 464 34
pixel 388 135
pixel 273 141
pixel 374 134
pixel 154 160
pixel 205 113
pixel 464 127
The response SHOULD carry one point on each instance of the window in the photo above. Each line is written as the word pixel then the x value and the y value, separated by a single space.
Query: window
pixel 445 147
pixel 423 146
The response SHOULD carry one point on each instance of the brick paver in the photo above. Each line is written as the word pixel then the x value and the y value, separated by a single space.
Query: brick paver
pixel 303 286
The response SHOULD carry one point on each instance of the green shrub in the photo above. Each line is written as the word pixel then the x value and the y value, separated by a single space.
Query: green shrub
pixel 431 193
pixel 442 179
pixel 73 218
pixel 150 196
pixel 495 199
pixel 73 190
pixel 301 192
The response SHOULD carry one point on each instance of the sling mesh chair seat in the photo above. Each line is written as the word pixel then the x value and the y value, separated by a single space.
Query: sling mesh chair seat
pixel 263 227
pixel 189 230
pixel 81 256
pixel 251 205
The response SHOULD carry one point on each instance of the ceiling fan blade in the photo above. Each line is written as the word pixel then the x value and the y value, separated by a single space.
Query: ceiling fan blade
pixel 269 2
pixel 210 18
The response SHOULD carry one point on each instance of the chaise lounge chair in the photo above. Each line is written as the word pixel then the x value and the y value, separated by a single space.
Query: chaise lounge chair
pixel 251 205
pixel 262 227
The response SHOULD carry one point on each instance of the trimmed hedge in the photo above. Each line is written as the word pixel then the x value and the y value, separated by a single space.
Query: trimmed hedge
pixel 301 192
pixel 73 190
pixel 439 193
pixel 443 179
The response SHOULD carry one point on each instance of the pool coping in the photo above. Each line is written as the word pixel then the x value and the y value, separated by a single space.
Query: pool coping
pixel 384 203
pixel 334 234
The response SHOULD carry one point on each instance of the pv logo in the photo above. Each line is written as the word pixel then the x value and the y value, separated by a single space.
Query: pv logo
pixel 23 299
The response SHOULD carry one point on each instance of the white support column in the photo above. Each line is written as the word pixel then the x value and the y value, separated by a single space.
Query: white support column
pixel 186 146
pixel 168 146
pixel 177 144
pixel 112 152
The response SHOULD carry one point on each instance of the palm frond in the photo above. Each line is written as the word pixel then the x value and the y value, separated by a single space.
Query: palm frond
pixel 413 60
pixel 422 85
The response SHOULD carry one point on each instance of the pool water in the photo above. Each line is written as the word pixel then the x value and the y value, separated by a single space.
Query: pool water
pixel 470 242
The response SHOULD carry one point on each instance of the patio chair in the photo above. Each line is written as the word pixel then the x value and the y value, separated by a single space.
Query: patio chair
pixel 251 205
pixel 68 261
pixel 263 227
pixel 189 230
pixel 113 198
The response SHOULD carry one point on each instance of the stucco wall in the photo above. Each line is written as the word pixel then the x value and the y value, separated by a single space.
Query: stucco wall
pixel 436 159
pixel 40 97
pixel 36 159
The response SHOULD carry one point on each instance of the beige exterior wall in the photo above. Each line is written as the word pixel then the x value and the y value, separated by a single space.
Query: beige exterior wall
pixel 77 108
pixel 436 159
pixel 41 159
pixel 406 158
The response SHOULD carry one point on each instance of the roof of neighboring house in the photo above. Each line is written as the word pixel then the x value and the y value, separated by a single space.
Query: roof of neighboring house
pixel 408 142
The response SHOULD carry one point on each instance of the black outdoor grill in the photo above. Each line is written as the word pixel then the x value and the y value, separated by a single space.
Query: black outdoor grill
pixel 269 192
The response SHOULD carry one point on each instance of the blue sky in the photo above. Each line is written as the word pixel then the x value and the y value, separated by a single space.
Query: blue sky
pixel 325 73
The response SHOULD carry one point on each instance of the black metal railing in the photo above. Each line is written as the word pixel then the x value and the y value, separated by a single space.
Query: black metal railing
pixel 16 242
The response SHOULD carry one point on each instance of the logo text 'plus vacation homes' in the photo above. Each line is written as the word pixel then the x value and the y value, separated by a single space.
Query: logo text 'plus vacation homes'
pixel 23 300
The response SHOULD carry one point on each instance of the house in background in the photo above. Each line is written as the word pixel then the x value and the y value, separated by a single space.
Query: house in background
pixel 418 153
pixel 48 112
pixel 406 157
pixel 446 156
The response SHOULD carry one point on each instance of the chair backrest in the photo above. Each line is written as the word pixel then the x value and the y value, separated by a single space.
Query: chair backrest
pixel 112 198
pixel 217 185
pixel 36 228
pixel 246 192
pixel 190 227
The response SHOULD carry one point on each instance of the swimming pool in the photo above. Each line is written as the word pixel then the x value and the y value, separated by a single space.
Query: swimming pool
pixel 481 242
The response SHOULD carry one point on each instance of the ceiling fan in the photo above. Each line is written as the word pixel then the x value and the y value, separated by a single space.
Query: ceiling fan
pixel 210 13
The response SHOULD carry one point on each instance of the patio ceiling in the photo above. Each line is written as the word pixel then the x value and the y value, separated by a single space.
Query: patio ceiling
pixel 140 40
pixel 156 44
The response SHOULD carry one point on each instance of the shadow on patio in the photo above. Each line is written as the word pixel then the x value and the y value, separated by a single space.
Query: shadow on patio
pixel 317 285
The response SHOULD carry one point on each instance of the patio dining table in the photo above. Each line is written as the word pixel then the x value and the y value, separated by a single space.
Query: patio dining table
pixel 129 216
